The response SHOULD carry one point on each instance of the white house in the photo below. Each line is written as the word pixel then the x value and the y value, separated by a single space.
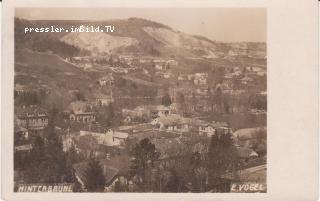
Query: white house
pixel 109 138
pixel 173 123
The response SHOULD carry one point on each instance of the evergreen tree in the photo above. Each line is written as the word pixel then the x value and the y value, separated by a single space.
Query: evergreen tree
pixel 34 170
pixel 144 153
pixel 222 156
pixel 72 157
pixel 166 100
pixel 48 162
pixel 55 160
pixel 94 178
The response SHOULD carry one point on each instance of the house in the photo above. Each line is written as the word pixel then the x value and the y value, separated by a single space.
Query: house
pixel 167 75
pixel 32 118
pixel 127 120
pixel 19 89
pixel 103 99
pixel 159 110
pixel 159 66
pixel 175 107
pixel 128 59
pixel 68 142
pixel 233 92
pixel 200 78
pixel 110 173
pixel 147 111
pixel 107 80
pixel 85 117
pixel 213 128
pixel 246 153
pixel 190 77
pixel 109 137
pixel 23 148
pixel 248 133
pixel 138 112
pixel 182 77
pixel 172 62
pixel 172 123
pixel 22 133
pixel 202 90
pixel 246 80
pixel 81 111
pixel 203 106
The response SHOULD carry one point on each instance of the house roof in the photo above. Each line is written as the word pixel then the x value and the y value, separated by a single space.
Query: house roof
pixel 78 107
pixel 102 96
pixel 218 124
pixel 25 147
pixel 173 119
pixel 246 152
pixel 31 111
pixel 19 87
pixel 20 129
pixel 107 77
pixel 121 135
pixel 247 133
pixel 120 162
pixel 110 173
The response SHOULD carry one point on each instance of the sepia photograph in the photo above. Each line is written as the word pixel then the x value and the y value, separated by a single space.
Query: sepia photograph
pixel 140 100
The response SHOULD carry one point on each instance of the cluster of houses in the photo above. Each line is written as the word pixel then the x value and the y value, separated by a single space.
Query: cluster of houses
pixel 196 78
pixel 32 117
pixel 170 124
pixel 28 121
pixel 109 145
pixel 165 118
pixel 21 89
pixel 90 61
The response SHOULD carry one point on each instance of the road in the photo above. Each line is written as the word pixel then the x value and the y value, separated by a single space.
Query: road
pixel 247 171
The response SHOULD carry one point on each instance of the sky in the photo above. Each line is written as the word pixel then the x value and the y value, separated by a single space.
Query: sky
pixel 220 24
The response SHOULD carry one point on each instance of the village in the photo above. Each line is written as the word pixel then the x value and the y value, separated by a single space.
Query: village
pixel 185 111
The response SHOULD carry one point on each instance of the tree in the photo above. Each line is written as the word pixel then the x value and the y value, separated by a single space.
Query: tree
pixel 72 157
pixel 198 170
pixel 166 100
pixel 34 170
pixel 94 178
pixel 144 153
pixel 173 185
pixel 218 98
pixel 222 157
pixel 55 159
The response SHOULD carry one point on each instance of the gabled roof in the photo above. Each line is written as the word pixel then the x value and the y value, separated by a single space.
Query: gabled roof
pixel 35 111
pixel 121 135
pixel 248 133
pixel 25 147
pixel 78 107
pixel 81 168
pixel 102 96
pixel 173 119
pixel 246 152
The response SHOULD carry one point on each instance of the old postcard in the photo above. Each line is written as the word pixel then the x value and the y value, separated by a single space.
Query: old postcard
pixel 151 99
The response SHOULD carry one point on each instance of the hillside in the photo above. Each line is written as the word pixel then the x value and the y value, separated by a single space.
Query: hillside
pixel 98 42
pixel 133 35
